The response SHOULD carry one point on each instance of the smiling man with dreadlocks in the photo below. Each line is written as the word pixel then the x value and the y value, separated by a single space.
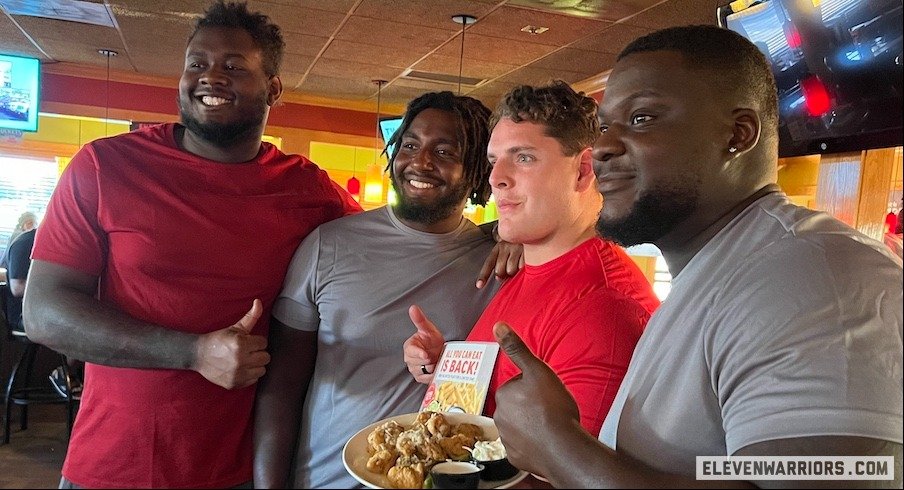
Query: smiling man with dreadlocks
pixel 343 312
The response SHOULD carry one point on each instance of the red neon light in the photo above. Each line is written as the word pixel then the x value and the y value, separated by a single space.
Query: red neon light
pixel 815 95
pixel 792 35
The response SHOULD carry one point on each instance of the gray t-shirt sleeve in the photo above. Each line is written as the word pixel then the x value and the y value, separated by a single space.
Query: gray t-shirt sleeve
pixel 798 345
pixel 296 305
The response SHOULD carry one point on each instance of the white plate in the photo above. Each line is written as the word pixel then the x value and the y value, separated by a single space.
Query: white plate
pixel 354 454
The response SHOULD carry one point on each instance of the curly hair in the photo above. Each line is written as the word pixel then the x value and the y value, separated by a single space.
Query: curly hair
pixel 473 136
pixel 265 34
pixel 568 116
pixel 737 63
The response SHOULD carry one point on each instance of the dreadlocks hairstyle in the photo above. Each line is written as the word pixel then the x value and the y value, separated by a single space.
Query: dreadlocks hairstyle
pixel 568 116
pixel 737 63
pixel 265 33
pixel 473 136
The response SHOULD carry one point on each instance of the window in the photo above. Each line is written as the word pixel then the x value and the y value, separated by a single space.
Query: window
pixel 662 279
pixel 25 185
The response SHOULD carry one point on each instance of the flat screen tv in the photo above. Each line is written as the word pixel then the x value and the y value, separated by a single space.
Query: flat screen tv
pixel 19 91
pixel 838 67
pixel 388 127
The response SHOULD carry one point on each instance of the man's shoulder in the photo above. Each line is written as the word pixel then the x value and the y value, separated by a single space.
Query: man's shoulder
pixel 358 223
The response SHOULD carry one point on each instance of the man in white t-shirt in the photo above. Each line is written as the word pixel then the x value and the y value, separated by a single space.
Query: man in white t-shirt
pixel 782 333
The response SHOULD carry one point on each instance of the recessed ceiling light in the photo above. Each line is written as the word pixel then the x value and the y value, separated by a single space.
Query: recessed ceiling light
pixel 534 30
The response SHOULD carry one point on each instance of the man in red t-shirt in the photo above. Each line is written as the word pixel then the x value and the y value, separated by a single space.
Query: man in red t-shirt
pixel 580 303
pixel 154 246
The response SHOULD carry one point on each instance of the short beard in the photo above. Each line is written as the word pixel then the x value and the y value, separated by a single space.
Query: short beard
pixel 654 215
pixel 227 135
pixel 428 213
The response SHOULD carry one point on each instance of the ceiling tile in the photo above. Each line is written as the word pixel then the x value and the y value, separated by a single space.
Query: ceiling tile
pixel 308 21
pixel 399 94
pixel 153 35
pixel 470 68
pixel 184 8
pixel 347 88
pixel 295 63
pixel 610 10
pixel 366 53
pixel 357 71
pixel 331 5
pixel 14 42
pixel 576 60
pixel 60 30
pixel 392 34
pixel 677 13
pixel 85 54
pixel 158 64
pixel 541 76
pixel 486 48
pixel 429 13
pixel 297 43
pixel 613 39
pixel 507 22
pixel 290 80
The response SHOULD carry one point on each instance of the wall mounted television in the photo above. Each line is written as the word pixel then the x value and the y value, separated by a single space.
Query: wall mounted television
pixel 388 127
pixel 837 65
pixel 20 83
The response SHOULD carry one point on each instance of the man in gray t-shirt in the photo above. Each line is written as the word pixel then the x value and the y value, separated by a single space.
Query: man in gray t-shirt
pixel 342 317
pixel 782 334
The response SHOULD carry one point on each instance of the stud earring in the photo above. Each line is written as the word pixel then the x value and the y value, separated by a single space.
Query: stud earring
pixel 732 149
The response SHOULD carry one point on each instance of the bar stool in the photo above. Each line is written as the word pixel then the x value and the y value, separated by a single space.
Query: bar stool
pixel 19 388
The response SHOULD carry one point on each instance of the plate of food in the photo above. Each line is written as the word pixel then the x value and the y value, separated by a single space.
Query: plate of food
pixel 398 452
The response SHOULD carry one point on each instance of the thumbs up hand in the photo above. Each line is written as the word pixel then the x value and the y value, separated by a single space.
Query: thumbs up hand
pixel 422 350
pixel 533 407
pixel 232 357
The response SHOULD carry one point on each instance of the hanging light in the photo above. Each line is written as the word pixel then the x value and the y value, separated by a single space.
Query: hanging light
pixel 107 53
pixel 353 186
pixel 464 20
pixel 373 177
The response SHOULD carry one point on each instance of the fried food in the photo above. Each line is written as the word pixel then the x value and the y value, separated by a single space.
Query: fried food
pixel 455 446
pixel 382 459
pixel 471 432
pixel 406 476
pixel 405 456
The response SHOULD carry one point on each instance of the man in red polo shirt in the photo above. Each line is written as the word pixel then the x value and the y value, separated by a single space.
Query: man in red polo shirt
pixel 580 302
pixel 155 246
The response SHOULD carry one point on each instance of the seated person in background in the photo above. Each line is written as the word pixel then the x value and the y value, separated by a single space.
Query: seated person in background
pixel 342 314
pixel 18 260
pixel 27 221
pixel 580 301
pixel 782 333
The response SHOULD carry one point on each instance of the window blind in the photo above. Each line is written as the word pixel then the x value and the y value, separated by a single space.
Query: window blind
pixel 25 185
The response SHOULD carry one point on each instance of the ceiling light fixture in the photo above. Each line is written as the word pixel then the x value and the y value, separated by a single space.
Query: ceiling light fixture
pixel 107 53
pixel 534 30
pixel 373 176
pixel 464 20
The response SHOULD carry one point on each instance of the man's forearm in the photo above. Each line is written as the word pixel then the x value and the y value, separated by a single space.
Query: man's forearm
pixel 81 327
pixel 280 400
pixel 582 461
